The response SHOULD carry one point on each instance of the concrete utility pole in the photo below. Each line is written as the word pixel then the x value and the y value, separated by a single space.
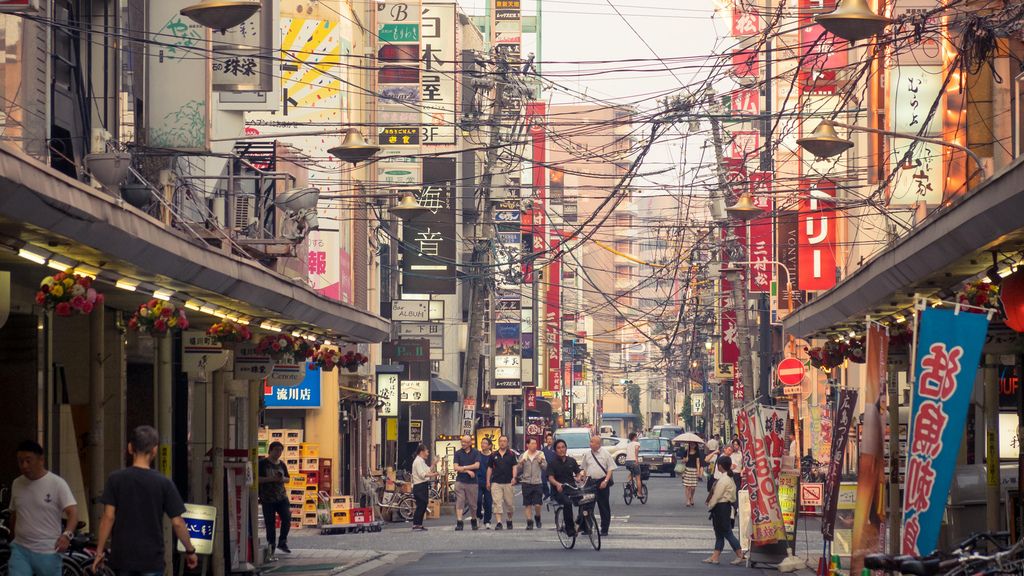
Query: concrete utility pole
pixel 737 253
pixel 485 236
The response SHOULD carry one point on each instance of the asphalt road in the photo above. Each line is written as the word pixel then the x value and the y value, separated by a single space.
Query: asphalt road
pixel 661 537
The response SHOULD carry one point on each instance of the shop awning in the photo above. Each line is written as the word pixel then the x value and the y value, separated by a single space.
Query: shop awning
pixel 47 209
pixel 442 390
pixel 936 257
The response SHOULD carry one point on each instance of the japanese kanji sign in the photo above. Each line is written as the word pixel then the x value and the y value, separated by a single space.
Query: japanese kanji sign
pixel 438 61
pixel 840 435
pixel 948 349
pixel 200 521
pixel 817 229
pixel 305 395
pixel 428 239
pixel 762 486
pixel 387 391
pixel 761 236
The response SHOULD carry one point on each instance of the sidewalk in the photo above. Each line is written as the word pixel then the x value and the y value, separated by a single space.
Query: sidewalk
pixel 330 562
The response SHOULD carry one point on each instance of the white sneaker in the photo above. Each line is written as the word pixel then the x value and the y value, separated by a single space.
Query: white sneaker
pixel 487 525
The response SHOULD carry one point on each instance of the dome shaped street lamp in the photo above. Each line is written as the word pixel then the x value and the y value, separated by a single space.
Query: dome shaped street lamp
pixel 824 142
pixel 853 20
pixel 221 14
pixel 354 148
pixel 744 208
pixel 408 207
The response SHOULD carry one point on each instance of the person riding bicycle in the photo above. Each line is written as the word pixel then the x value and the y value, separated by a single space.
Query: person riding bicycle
pixel 633 462
pixel 561 471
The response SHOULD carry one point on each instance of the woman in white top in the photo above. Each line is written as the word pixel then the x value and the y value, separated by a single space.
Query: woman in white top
pixel 720 503
pixel 422 474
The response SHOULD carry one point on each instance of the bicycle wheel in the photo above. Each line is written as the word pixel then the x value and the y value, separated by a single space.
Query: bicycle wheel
pixel 643 494
pixel 566 540
pixel 407 509
pixel 69 567
pixel 627 493
pixel 595 531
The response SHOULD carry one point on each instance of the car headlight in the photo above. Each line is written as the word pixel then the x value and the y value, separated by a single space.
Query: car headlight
pixel 668 459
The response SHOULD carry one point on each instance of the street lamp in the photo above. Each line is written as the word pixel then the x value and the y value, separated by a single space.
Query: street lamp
pixel 853 20
pixel 407 207
pixel 744 208
pixel 824 142
pixel 354 148
pixel 221 14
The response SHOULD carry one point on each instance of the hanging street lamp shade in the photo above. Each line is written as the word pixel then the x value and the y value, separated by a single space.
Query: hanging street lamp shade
pixel 408 207
pixel 853 20
pixel 221 14
pixel 744 208
pixel 824 142
pixel 1012 295
pixel 354 148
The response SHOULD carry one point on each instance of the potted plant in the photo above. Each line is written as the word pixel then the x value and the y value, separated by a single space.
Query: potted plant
pixel 67 294
pixel 352 360
pixel 229 333
pixel 280 346
pixel 158 317
pixel 325 359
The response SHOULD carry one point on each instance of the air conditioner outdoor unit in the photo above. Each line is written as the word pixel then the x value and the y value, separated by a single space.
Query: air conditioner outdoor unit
pixel 245 210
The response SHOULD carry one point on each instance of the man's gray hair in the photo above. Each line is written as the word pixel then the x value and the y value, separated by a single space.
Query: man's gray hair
pixel 143 439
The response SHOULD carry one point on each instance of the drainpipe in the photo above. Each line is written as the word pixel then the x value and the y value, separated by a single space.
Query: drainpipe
pixel 221 380
pixel 97 401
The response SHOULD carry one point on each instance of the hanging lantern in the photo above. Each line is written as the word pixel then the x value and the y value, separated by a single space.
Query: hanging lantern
pixel 1012 290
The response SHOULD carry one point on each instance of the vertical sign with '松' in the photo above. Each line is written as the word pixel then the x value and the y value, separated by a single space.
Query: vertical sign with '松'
pixel 840 436
pixel 817 229
pixel 948 349
pixel 761 236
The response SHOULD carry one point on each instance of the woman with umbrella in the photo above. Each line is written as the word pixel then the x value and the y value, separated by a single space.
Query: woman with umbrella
pixel 692 462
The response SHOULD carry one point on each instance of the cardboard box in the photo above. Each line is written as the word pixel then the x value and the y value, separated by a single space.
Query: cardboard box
pixel 341 517
pixel 309 450
pixel 434 509
pixel 296 524
pixel 362 515
pixel 296 496
pixel 312 477
pixel 341 502
pixel 296 481
pixel 310 465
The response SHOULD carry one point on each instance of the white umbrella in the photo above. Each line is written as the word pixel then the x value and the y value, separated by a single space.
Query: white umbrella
pixel 688 437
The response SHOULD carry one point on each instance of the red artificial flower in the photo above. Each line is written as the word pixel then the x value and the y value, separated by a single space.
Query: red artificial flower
pixel 40 298
pixel 87 307
pixel 160 325
pixel 45 289
pixel 133 324
pixel 63 309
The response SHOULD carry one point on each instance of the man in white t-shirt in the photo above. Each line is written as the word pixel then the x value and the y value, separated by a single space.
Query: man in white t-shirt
pixel 39 500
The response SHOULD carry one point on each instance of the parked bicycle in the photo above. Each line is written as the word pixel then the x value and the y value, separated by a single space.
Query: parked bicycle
pixel 75 561
pixel 971 557
pixel 629 492
pixel 583 497
pixel 392 500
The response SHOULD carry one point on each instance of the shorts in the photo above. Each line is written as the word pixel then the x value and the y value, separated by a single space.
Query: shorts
pixel 25 562
pixel 502 494
pixel 633 467
pixel 466 497
pixel 533 494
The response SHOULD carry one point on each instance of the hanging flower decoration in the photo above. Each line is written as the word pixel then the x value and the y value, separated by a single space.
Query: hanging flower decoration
pixel 856 350
pixel 325 359
pixel 157 318
pixel 982 294
pixel 900 337
pixel 66 294
pixel 228 332
pixel 829 356
pixel 353 360
pixel 282 345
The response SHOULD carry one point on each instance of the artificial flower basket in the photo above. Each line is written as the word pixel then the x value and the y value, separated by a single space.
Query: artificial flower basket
pixel 351 361
pixel 325 359
pixel 157 318
pixel 229 334
pixel 67 294
pixel 856 350
pixel 827 357
pixel 1012 297
pixel 281 346
pixel 980 294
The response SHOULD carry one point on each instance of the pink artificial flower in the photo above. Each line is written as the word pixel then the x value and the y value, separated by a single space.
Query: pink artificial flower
pixel 160 325
pixel 63 309
pixel 77 302
pixel 87 307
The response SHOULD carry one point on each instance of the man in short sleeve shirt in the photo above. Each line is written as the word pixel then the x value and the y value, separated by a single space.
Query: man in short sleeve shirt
pixel 39 500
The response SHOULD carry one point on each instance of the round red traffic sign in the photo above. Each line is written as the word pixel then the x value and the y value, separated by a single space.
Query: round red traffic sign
pixel 791 372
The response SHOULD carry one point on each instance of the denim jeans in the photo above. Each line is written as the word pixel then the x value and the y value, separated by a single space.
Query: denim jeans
pixel 484 503
pixel 25 562
pixel 282 509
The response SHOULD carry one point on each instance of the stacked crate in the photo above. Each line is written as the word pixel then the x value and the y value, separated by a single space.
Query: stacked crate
pixel 341 510
pixel 309 469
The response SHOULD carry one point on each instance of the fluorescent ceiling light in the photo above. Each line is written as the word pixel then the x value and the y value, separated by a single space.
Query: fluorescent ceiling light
pixel 87 271
pixel 297 334
pixel 163 294
pixel 32 256
pixel 220 314
pixel 243 321
pixel 58 265
pixel 207 310
pixel 267 325
pixel 193 305
pixel 127 284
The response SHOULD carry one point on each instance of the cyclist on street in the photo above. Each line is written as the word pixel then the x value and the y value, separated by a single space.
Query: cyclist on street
pixel 633 462
pixel 599 465
pixel 564 469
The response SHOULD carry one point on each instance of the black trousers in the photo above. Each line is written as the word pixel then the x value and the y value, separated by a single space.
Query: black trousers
pixel 567 518
pixel 604 504
pixel 282 509
pixel 421 492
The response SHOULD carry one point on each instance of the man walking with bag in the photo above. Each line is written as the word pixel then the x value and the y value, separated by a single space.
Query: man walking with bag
pixel 598 464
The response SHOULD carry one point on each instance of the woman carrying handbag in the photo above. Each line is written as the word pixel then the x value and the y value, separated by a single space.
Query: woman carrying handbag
pixel 720 505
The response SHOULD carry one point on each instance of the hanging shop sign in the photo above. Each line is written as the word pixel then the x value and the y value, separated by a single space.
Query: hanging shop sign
pixel 414 390
pixel 305 395
pixel 765 512
pixel 761 236
pixel 840 435
pixel 201 522
pixel 250 364
pixel 438 82
pixel 429 241
pixel 387 391
pixel 201 354
pixel 817 230
pixel 287 374
pixel 948 349
pixel 241 55
pixel 696 402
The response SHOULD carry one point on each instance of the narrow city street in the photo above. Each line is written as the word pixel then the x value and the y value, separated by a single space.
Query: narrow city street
pixel 661 537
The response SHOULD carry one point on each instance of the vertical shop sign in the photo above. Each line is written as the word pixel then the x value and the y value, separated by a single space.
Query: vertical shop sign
pixel 765 512
pixel 817 229
pixel 840 436
pixel 948 349
pixel 438 62
pixel 870 511
pixel 761 236
pixel 429 240
pixel 553 320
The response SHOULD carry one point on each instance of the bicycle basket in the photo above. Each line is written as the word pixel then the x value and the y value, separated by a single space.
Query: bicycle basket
pixel 582 496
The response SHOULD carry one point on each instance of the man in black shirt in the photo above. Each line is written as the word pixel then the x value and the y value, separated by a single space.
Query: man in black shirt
pixel 135 500
pixel 564 469
pixel 467 466
pixel 273 475
pixel 501 479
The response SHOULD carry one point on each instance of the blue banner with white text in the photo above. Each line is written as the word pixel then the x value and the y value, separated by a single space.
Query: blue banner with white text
pixel 948 350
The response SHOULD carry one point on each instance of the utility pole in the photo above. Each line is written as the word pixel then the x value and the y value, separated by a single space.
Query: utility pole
pixel 481 260
pixel 737 253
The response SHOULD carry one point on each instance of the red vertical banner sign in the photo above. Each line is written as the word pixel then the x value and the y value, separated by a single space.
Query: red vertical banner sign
pixel 761 237
pixel 534 222
pixel 823 54
pixel 817 230
pixel 553 319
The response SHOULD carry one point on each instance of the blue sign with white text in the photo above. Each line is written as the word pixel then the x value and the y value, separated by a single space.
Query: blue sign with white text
pixel 305 395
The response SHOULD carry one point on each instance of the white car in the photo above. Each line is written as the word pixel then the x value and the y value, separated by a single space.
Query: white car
pixel 577 441
pixel 617 446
